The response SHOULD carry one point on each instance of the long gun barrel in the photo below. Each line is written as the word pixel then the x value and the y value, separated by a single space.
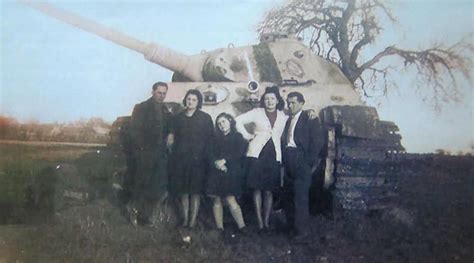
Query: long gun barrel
pixel 188 66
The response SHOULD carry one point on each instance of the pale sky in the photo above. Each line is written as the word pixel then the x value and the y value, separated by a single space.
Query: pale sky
pixel 52 72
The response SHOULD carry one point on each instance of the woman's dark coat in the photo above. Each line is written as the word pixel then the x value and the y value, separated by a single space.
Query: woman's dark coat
pixel 189 165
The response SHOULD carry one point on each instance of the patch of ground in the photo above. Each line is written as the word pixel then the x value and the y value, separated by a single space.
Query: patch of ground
pixel 432 221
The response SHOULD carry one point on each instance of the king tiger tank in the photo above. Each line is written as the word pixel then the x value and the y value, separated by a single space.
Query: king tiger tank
pixel 360 157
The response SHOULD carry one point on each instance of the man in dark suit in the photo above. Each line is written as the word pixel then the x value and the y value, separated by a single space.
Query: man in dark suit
pixel 149 131
pixel 302 143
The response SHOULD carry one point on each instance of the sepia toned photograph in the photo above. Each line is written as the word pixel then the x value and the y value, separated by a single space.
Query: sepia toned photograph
pixel 237 131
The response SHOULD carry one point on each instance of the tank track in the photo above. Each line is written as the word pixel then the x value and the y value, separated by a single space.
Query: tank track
pixel 364 154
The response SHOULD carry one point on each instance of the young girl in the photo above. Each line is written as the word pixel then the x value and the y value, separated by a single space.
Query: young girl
pixel 225 180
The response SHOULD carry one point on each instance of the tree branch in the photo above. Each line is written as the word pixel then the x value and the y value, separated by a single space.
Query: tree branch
pixel 341 29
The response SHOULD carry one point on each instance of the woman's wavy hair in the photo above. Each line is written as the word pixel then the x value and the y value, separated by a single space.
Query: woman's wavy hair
pixel 231 120
pixel 276 91
pixel 198 95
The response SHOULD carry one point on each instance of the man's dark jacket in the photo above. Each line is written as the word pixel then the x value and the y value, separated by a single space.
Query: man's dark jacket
pixel 149 128
pixel 308 136
pixel 149 125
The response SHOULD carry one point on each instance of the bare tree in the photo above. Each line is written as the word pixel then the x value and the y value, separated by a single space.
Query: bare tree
pixel 340 30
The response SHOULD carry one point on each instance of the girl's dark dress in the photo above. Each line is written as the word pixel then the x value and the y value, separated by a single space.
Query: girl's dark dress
pixel 232 148
pixel 189 164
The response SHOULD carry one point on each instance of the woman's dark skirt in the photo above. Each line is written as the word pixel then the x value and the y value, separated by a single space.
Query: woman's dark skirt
pixel 264 171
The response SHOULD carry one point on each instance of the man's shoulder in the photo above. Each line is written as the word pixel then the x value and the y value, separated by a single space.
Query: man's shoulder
pixel 143 104
pixel 306 120
pixel 305 115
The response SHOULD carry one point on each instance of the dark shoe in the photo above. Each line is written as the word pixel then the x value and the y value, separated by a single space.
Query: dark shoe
pixel 244 231
pixel 266 230
pixel 262 231
pixel 271 230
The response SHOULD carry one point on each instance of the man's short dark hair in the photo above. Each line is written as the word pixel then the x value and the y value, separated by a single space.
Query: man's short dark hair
pixel 159 84
pixel 298 96
pixel 198 95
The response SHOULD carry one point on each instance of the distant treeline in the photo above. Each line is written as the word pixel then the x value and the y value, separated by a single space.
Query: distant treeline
pixel 93 130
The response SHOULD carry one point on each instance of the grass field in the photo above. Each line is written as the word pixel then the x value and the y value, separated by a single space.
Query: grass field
pixel 20 166
pixel 432 220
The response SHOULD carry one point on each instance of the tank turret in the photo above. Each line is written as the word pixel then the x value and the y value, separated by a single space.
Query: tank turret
pixel 360 147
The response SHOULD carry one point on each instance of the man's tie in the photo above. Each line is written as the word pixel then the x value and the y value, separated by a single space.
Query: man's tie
pixel 291 129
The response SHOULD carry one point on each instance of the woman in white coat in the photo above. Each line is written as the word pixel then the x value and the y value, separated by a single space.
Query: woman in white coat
pixel 264 150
